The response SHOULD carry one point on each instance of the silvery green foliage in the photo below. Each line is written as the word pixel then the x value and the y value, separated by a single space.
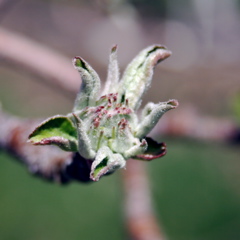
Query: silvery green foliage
pixel 105 128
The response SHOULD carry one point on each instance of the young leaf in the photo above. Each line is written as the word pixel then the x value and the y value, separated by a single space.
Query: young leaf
pixel 84 143
pixel 57 130
pixel 151 115
pixel 90 84
pixel 113 73
pixel 105 162
pixel 138 75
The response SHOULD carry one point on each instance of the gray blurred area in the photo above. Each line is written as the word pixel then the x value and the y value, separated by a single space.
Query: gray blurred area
pixel 203 36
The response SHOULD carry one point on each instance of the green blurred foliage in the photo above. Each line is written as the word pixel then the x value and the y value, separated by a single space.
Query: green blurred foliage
pixel 33 209
pixel 236 106
pixel 195 191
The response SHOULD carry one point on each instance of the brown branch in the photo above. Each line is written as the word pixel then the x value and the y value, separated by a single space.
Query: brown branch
pixel 13 138
pixel 141 221
pixel 48 162
pixel 188 122
pixel 43 63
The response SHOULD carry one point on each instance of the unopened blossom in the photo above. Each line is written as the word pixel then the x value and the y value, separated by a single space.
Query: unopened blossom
pixel 104 127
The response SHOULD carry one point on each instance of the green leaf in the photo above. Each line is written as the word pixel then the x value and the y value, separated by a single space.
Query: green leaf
pixel 138 75
pixel 236 106
pixel 105 162
pixel 111 84
pixel 84 144
pixel 90 84
pixel 154 150
pixel 151 115
pixel 100 169
pixel 57 130
pixel 105 167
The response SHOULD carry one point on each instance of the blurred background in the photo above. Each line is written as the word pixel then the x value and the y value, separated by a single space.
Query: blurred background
pixel 196 186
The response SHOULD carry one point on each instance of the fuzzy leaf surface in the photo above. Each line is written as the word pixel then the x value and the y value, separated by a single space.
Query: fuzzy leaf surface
pixel 90 84
pixel 57 130
pixel 138 75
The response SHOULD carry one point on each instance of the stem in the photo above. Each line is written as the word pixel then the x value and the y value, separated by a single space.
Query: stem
pixel 141 221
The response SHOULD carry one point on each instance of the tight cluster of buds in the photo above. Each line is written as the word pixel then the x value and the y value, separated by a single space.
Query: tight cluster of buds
pixel 105 128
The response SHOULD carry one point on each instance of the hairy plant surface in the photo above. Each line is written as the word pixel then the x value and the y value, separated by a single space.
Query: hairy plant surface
pixel 105 128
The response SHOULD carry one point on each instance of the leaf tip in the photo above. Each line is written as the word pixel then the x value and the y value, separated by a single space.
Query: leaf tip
pixel 159 53
pixel 173 103
pixel 78 62
pixel 114 48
